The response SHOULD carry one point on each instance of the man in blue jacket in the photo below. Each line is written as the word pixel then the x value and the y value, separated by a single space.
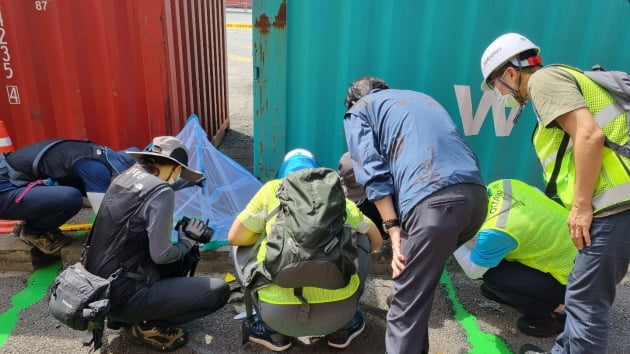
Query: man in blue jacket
pixel 425 181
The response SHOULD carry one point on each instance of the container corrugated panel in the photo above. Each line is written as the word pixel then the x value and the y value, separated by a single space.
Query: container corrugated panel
pixel 239 4
pixel 307 52
pixel 115 72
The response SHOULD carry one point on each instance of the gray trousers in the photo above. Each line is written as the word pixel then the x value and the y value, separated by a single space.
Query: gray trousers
pixel 324 318
pixel 592 284
pixel 431 232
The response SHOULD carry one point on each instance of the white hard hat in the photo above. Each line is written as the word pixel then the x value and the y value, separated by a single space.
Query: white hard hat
pixel 504 49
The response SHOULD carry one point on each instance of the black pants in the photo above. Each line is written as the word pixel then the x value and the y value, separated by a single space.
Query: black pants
pixel 174 300
pixel 529 290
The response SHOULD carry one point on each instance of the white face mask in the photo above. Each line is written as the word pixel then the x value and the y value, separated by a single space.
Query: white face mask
pixel 506 100
pixel 509 101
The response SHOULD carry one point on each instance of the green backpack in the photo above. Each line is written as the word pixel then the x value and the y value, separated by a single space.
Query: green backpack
pixel 308 244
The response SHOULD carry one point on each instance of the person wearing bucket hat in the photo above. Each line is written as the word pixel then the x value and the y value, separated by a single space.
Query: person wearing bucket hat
pixel 577 139
pixel 135 225
pixel 330 309
pixel 425 181
pixel 43 184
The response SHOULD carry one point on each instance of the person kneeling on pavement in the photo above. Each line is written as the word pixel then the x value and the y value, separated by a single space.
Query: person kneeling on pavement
pixel 331 312
pixel 524 254
pixel 135 222
pixel 42 184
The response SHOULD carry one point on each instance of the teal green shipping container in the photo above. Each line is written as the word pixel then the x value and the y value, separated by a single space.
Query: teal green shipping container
pixel 306 53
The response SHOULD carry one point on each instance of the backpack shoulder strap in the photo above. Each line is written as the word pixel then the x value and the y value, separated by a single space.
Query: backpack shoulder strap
pixel 552 188
pixel 41 153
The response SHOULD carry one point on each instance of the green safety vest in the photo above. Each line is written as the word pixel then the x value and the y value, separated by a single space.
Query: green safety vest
pixel 613 184
pixel 537 223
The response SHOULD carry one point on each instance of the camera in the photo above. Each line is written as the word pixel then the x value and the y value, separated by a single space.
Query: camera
pixel 195 229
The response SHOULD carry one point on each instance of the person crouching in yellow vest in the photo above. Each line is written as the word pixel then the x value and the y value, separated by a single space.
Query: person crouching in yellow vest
pixel 524 254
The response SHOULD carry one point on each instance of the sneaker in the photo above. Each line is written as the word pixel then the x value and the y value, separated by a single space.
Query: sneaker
pixel 343 337
pixel 47 242
pixel 531 349
pixel 547 326
pixel 160 338
pixel 267 337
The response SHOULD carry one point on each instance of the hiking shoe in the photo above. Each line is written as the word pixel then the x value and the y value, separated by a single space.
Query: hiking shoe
pixel 17 229
pixel 343 337
pixel 531 349
pixel 547 326
pixel 160 338
pixel 267 337
pixel 47 242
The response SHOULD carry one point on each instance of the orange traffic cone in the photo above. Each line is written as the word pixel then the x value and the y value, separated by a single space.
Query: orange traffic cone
pixel 5 140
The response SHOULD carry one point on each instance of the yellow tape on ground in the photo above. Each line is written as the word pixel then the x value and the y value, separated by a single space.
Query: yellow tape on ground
pixel 238 25
pixel 75 227
pixel 238 58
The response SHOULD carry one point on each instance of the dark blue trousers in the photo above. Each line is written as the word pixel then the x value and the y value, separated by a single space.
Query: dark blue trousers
pixel 43 208
pixel 529 290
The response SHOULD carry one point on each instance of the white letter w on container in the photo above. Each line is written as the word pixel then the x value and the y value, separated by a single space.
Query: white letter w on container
pixel 472 124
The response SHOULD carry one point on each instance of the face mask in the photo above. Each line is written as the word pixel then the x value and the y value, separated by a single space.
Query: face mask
pixel 509 101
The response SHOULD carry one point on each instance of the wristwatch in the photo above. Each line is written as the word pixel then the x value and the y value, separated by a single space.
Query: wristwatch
pixel 389 223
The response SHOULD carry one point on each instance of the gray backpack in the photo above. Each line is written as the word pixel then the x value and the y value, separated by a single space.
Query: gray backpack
pixel 617 83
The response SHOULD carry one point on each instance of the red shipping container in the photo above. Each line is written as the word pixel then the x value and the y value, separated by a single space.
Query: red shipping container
pixel 115 72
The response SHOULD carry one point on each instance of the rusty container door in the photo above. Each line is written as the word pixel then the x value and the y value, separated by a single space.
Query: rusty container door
pixel 115 72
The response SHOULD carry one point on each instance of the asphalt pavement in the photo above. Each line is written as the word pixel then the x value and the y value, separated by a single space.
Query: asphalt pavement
pixel 462 321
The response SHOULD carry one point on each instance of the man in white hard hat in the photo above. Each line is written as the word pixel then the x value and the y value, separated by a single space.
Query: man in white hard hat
pixel 590 179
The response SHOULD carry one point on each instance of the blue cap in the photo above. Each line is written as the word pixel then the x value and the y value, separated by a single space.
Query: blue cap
pixel 295 160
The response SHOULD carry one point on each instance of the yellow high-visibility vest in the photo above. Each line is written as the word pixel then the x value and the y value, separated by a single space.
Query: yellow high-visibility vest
pixel 613 184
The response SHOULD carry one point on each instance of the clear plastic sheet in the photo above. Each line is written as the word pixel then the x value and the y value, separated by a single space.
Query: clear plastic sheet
pixel 226 191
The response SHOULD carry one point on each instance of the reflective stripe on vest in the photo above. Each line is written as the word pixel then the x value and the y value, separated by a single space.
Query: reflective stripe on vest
pixel 536 223
pixel 612 187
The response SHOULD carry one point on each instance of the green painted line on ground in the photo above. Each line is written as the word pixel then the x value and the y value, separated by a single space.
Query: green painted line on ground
pixel 36 288
pixel 480 342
